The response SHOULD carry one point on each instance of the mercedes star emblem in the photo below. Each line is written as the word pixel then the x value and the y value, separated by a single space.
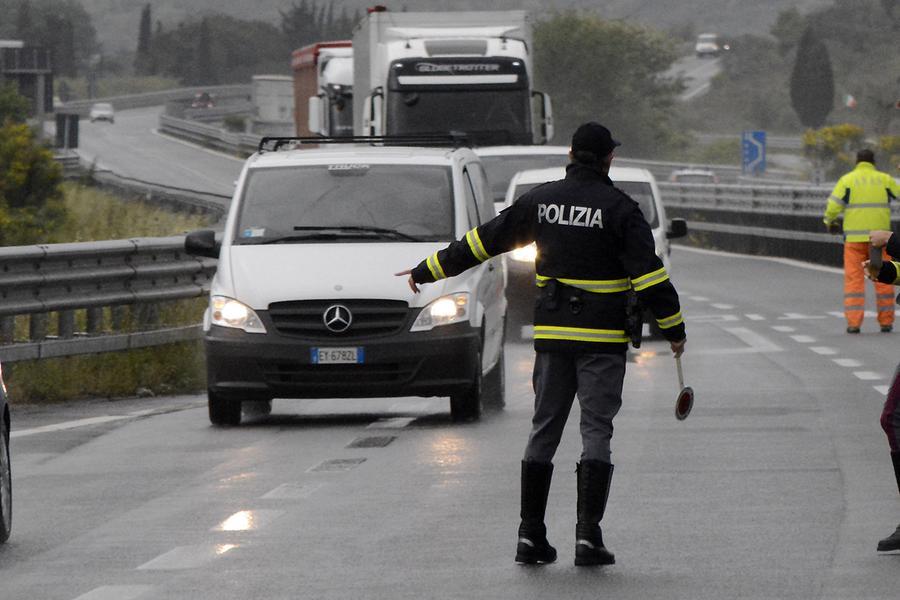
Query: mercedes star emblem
pixel 337 318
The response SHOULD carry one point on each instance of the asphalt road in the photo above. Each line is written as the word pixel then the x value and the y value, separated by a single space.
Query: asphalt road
pixel 132 147
pixel 778 485
pixel 697 73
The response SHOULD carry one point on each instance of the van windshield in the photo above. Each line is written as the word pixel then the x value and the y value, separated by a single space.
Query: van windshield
pixel 500 169
pixel 642 193
pixel 341 202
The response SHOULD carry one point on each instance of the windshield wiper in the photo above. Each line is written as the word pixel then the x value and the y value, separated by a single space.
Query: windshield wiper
pixel 362 229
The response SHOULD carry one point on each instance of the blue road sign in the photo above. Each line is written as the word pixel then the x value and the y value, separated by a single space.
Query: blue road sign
pixel 753 151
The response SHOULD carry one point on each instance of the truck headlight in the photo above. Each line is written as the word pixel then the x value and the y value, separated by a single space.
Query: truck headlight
pixel 446 310
pixel 525 253
pixel 227 312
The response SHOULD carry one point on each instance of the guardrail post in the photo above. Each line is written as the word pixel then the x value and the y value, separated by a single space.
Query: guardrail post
pixel 147 315
pixel 37 327
pixel 94 321
pixel 7 330
pixel 119 317
pixel 66 324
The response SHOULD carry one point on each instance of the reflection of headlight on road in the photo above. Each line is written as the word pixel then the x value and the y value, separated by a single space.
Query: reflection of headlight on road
pixel 525 253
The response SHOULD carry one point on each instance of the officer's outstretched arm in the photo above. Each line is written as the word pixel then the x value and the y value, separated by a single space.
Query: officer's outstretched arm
pixel 507 231
pixel 649 277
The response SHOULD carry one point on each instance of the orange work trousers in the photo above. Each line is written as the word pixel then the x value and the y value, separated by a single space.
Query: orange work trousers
pixel 855 287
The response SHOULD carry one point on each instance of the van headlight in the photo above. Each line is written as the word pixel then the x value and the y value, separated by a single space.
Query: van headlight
pixel 227 312
pixel 446 310
pixel 525 253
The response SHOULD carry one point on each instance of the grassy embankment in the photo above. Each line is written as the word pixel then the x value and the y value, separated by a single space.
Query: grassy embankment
pixel 97 215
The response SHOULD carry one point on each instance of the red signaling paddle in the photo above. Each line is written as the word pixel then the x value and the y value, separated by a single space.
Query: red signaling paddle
pixel 685 401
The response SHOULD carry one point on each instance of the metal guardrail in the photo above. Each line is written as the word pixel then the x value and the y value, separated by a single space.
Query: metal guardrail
pixel 126 102
pixel 209 135
pixel 784 221
pixel 60 279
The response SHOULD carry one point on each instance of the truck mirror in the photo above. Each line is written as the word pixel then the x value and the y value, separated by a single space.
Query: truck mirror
pixel 315 124
pixel 545 116
pixel 372 112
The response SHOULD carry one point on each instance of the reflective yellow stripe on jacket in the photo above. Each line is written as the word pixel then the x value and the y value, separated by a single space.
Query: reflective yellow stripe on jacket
pixel 597 286
pixel 476 246
pixel 580 334
pixel 650 279
pixel 434 265
pixel 670 322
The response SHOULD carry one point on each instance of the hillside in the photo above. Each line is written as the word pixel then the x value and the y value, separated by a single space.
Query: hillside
pixel 117 20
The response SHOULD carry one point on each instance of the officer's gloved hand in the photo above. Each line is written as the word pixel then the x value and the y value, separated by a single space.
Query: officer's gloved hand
pixel 834 228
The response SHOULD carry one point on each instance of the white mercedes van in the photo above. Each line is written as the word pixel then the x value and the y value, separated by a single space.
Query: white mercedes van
pixel 305 303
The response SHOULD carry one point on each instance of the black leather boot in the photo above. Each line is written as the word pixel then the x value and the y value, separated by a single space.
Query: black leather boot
pixel 533 547
pixel 594 478
pixel 892 542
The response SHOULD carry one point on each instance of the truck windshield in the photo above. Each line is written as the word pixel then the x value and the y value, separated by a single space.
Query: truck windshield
pixel 489 116
pixel 500 169
pixel 361 202
pixel 341 117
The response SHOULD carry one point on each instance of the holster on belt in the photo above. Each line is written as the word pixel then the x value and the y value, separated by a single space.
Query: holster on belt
pixel 634 318
pixel 551 294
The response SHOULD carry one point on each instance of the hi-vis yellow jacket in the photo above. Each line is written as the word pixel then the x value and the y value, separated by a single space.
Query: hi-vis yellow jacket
pixel 862 195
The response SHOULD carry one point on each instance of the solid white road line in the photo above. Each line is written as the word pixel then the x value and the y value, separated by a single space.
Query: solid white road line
pixel 755 343
pixel 68 425
pixel 187 557
pixel 868 375
pixel 847 362
pixel 116 592
pixel 783 261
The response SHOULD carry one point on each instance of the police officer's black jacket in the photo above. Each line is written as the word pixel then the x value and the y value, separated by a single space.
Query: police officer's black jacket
pixel 593 246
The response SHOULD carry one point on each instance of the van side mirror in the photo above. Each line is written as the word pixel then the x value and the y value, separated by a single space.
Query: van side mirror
pixel 202 243
pixel 372 124
pixel 545 114
pixel 677 228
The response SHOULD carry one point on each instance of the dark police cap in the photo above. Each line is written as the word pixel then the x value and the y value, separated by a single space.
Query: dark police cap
pixel 595 138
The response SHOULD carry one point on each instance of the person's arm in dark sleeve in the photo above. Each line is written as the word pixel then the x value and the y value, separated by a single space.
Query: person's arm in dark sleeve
pixel 507 231
pixel 649 277
pixel 893 246
pixel 889 273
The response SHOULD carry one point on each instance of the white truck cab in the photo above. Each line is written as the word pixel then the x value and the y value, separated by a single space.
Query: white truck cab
pixel 305 302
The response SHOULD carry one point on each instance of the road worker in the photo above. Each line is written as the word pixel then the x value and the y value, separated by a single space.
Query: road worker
pixel 593 247
pixel 863 196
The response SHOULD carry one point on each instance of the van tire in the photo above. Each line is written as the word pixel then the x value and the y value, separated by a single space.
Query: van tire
pixel 257 408
pixel 466 406
pixel 223 411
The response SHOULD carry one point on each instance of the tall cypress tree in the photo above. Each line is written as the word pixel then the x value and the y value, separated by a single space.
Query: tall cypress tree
pixel 812 81
pixel 24 23
pixel 204 69
pixel 142 60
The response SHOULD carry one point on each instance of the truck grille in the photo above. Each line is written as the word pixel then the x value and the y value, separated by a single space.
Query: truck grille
pixel 303 318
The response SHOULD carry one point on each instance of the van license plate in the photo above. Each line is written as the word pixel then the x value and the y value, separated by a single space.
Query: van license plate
pixel 337 356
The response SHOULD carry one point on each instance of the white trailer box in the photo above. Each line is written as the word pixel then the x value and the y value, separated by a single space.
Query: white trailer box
pixel 273 101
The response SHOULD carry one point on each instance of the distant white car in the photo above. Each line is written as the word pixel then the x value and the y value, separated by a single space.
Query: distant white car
pixel 707 45
pixel 102 111
pixel 692 175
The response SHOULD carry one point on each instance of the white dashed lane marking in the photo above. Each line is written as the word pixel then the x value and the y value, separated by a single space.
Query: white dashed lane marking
pixel 292 491
pixel 116 592
pixel 699 299
pixel 248 520
pixel 783 328
pixel 187 557
pixel 722 306
pixel 824 350
pixel 755 317
pixel 803 339
pixel 868 375
pixel 882 389
pixel 799 317
pixel 847 362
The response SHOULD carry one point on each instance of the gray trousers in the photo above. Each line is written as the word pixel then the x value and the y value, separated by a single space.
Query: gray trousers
pixel 597 380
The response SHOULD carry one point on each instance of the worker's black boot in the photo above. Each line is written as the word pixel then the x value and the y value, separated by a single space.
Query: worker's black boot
pixel 594 478
pixel 892 542
pixel 533 547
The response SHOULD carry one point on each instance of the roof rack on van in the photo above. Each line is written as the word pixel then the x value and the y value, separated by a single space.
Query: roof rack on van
pixel 455 140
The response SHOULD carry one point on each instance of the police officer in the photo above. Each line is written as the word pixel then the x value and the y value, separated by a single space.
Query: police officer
pixel 594 247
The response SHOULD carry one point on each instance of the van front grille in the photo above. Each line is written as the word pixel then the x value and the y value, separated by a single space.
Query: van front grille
pixel 305 318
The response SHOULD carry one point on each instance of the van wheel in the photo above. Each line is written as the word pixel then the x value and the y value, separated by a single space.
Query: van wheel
pixel 257 408
pixel 467 405
pixel 495 385
pixel 5 485
pixel 224 411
